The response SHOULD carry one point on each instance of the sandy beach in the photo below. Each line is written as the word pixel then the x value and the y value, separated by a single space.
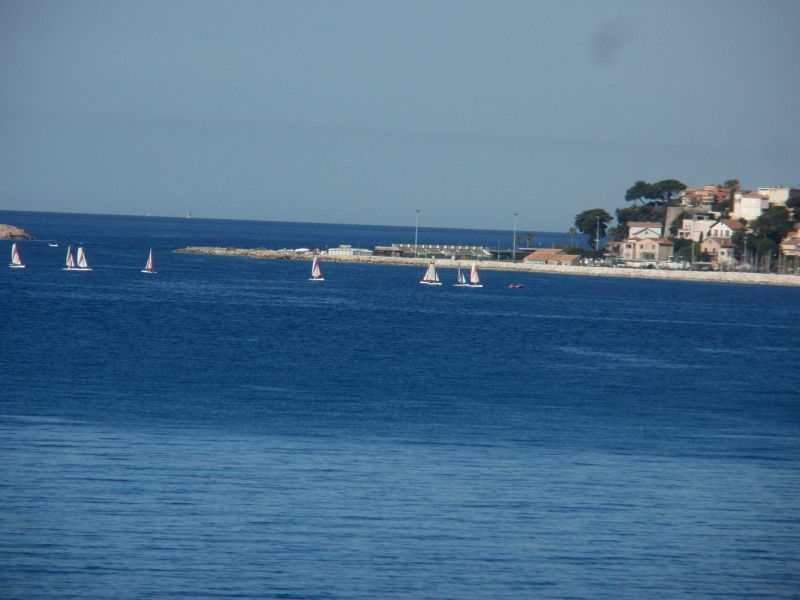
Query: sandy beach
pixel 700 276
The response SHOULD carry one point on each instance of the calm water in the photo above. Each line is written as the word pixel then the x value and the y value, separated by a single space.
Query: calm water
pixel 227 428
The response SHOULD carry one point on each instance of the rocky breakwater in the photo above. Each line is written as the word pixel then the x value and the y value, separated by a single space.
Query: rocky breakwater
pixel 247 252
pixel 699 276
pixel 9 232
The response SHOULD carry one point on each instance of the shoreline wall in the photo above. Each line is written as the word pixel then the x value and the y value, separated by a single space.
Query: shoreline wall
pixel 699 276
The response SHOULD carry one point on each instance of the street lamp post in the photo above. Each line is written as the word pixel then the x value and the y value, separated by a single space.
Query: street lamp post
pixel 514 241
pixel 744 254
pixel 416 232
pixel 597 236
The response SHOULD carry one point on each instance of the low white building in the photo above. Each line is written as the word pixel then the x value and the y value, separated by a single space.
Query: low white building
pixel 644 229
pixel 348 250
pixel 725 228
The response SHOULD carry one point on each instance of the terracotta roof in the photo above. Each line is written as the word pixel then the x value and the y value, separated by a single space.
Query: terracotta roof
pixel 546 254
pixel 733 224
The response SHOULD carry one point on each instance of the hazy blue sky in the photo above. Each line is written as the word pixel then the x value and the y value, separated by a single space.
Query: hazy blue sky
pixel 363 112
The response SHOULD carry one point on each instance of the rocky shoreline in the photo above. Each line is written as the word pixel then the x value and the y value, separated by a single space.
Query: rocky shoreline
pixel 700 276
pixel 9 232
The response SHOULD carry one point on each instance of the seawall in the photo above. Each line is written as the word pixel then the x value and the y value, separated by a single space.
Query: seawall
pixel 700 276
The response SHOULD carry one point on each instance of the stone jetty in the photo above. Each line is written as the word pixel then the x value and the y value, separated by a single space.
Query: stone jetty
pixel 699 276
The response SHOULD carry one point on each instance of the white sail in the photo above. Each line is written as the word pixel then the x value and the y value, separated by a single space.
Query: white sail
pixel 16 260
pixel 82 262
pixel 150 267
pixel 460 279
pixel 316 271
pixel 474 278
pixel 431 277
pixel 70 259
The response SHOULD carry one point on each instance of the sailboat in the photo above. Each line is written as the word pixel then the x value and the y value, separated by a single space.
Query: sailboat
pixel 70 260
pixel 474 278
pixel 316 271
pixel 82 264
pixel 431 277
pixel 16 260
pixel 461 281
pixel 150 267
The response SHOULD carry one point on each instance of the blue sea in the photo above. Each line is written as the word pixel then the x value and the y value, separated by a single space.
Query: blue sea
pixel 227 428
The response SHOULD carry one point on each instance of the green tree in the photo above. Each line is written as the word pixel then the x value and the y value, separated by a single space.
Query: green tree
pixel 767 232
pixel 774 223
pixel 591 222
pixel 682 249
pixel 724 206
pixel 793 204
pixel 667 191
pixel 732 184
pixel 738 240
pixel 664 192
pixel 639 192
pixel 526 237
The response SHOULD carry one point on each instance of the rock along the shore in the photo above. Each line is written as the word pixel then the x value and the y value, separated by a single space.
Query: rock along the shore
pixel 9 232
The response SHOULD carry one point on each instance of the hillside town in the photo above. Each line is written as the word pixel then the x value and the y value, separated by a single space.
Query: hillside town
pixel 714 227
pixel 670 226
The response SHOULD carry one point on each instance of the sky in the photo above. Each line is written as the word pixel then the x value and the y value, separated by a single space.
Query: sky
pixel 365 112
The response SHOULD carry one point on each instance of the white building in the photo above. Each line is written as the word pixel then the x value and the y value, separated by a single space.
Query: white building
pixel 778 195
pixel 724 229
pixel 749 206
pixel 695 229
pixel 348 250
pixel 643 229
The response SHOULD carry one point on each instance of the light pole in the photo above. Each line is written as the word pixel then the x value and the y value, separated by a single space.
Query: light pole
pixel 597 236
pixel 744 254
pixel 514 241
pixel 416 232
